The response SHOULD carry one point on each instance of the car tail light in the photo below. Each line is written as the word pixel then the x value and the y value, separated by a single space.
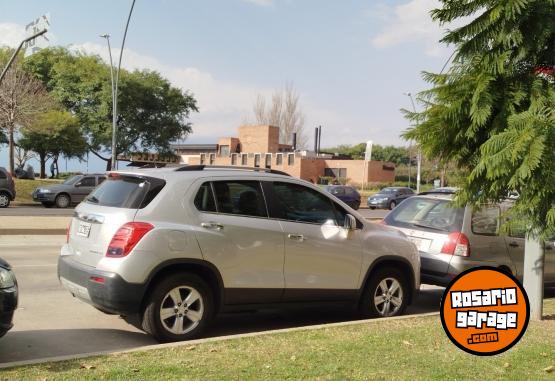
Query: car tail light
pixel 68 231
pixel 127 237
pixel 457 243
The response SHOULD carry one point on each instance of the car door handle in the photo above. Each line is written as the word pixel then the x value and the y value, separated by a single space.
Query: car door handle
pixel 212 225
pixel 296 237
pixel 513 244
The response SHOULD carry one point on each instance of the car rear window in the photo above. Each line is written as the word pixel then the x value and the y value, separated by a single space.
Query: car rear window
pixel 130 192
pixel 426 214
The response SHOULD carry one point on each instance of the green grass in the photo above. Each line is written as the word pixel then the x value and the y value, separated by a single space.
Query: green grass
pixel 410 349
pixel 25 188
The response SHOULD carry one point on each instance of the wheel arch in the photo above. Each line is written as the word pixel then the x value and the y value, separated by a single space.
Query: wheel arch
pixel 394 261
pixel 204 269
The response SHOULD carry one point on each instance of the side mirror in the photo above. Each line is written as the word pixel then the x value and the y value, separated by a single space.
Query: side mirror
pixel 350 222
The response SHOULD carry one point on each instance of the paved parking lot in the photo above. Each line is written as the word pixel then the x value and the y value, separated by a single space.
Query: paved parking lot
pixel 50 322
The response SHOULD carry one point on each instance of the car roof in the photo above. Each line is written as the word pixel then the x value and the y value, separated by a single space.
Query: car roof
pixel 177 173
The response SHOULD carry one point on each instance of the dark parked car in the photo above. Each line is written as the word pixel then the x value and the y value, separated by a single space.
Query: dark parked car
pixel 348 195
pixel 8 297
pixel 72 191
pixel 7 188
pixel 389 198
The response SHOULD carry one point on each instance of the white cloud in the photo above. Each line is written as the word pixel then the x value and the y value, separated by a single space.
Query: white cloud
pixel 264 3
pixel 409 22
pixel 11 34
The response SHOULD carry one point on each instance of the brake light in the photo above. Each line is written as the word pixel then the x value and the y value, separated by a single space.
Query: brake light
pixel 457 243
pixel 127 237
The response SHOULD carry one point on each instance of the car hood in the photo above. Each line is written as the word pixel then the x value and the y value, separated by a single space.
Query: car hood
pixel 56 187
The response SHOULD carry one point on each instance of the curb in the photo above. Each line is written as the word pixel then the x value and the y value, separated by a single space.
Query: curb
pixel 209 340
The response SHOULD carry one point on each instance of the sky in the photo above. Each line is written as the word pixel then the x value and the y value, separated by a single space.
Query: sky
pixel 352 62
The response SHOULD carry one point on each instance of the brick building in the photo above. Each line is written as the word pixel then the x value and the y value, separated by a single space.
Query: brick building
pixel 258 146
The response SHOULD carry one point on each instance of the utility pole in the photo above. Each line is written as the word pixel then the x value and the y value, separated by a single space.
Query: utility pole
pixel 17 51
pixel 419 152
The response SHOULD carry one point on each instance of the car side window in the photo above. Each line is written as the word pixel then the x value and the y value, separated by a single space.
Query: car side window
pixel 340 216
pixel 350 191
pixel 517 229
pixel 3 175
pixel 101 179
pixel 485 221
pixel 243 198
pixel 301 204
pixel 204 200
pixel 87 182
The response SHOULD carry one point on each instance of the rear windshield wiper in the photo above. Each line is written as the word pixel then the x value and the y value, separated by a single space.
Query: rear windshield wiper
pixel 93 199
pixel 431 227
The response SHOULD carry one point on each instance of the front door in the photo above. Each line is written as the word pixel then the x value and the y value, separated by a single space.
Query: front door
pixel 322 259
pixel 82 188
pixel 236 235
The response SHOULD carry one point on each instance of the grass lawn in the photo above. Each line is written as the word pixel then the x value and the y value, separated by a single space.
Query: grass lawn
pixel 24 188
pixel 410 349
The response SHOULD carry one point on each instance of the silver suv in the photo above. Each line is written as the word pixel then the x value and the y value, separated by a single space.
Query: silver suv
pixel 452 240
pixel 169 248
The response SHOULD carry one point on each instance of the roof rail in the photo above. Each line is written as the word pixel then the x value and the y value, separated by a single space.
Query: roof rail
pixel 202 167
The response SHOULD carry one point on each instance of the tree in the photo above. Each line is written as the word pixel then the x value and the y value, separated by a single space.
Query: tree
pixel 151 112
pixel 284 112
pixel 492 112
pixel 22 98
pixel 54 133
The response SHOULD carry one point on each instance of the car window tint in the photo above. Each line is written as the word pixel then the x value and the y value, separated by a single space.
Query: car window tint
pixel 240 197
pixel 301 204
pixel 340 213
pixel 101 179
pixel 485 221
pixel 337 191
pixel 87 182
pixel 350 192
pixel 126 192
pixel 204 200
pixel 426 214
pixel 3 175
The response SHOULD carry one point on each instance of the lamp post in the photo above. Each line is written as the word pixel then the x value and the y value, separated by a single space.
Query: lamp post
pixel 114 107
pixel 419 152
pixel 115 86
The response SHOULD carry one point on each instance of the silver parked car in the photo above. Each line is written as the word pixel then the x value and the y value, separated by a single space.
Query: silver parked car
pixel 72 191
pixel 167 249
pixel 452 240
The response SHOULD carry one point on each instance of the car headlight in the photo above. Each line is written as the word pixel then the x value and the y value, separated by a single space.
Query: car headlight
pixel 44 190
pixel 7 278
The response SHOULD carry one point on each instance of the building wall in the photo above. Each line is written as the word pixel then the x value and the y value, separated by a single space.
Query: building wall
pixel 259 138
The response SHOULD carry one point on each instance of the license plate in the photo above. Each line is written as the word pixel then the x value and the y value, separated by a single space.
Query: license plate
pixel 421 243
pixel 84 229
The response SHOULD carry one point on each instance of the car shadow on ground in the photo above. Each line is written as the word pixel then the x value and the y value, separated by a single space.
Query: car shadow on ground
pixel 36 344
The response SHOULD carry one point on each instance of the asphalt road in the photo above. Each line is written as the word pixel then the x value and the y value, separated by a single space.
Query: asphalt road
pixel 39 210
pixel 50 322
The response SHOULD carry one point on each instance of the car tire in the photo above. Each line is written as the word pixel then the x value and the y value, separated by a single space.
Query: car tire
pixel 168 318
pixel 47 204
pixel 387 293
pixel 372 207
pixel 62 201
pixel 4 200
pixel 392 205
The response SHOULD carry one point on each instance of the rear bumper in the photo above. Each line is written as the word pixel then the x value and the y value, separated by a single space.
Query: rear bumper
pixel 114 295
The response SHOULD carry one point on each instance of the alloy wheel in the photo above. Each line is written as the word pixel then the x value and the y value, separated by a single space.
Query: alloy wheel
pixel 388 297
pixel 181 310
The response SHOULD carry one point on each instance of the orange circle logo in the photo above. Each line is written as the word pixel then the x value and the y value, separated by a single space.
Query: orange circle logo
pixel 484 311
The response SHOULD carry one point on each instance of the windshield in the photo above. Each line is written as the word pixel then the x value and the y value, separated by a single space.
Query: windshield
pixel 388 190
pixel 426 214
pixel 72 180
pixel 130 192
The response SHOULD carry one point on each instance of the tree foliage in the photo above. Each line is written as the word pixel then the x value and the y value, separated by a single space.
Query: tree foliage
pixel 151 112
pixel 54 133
pixel 491 113
pixel 397 155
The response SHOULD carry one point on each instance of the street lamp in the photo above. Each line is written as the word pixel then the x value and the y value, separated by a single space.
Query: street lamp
pixel 114 107
pixel 419 153
pixel 115 85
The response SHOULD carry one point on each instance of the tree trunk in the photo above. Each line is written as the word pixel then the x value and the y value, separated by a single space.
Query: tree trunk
pixel 42 157
pixel 11 149
pixel 533 273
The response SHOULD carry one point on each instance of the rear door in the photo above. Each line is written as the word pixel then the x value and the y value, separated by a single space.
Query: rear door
pixel 114 203
pixel 236 235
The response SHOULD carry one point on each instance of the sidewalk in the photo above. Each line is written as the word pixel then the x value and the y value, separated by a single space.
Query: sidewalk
pixel 39 225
